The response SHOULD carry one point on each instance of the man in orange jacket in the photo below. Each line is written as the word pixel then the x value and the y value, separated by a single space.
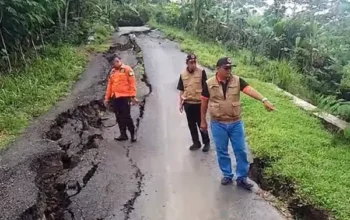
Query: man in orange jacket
pixel 120 93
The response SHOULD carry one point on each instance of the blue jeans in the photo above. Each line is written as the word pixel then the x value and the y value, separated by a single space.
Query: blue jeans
pixel 235 132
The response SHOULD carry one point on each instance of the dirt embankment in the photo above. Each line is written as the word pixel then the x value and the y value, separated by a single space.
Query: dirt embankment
pixel 284 189
pixel 72 151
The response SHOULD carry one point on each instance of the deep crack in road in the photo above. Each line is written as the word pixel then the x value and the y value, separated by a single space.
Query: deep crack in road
pixel 67 166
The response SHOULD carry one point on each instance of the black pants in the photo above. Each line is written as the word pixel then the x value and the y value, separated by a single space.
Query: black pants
pixel 193 113
pixel 121 108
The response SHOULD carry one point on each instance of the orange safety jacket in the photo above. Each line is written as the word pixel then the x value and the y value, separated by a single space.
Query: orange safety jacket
pixel 121 83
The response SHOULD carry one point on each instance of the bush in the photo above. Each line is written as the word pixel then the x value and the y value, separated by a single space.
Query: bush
pixel 282 73
pixel 128 15
pixel 309 143
pixel 31 91
pixel 168 14
pixel 290 39
pixel 145 13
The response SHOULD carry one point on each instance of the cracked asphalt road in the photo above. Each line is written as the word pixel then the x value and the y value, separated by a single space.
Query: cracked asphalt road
pixel 67 166
pixel 178 183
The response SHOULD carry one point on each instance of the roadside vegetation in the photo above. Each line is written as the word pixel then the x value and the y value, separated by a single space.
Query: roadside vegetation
pixel 306 48
pixel 306 53
pixel 304 163
pixel 44 47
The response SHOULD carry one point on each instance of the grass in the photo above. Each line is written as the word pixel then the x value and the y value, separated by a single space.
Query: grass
pixel 283 74
pixel 101 42
pixel 316 162
pixel 32 91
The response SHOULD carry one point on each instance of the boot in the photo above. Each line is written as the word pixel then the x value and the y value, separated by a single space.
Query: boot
pixel 206 147
pixel 122 137
pixel 195 146
pixel 226 181
pixel 133 137
pixel 131 128
pixel 244 184
pixel 122 128
pixel 206 141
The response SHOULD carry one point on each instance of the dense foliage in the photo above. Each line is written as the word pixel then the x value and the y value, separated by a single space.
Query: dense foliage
pixel 300 157
pixel 308 47
pixel 26 26
pixel 42 51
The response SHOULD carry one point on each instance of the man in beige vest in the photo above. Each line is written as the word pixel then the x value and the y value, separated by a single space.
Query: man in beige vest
pixel 221 94
pixel 190 87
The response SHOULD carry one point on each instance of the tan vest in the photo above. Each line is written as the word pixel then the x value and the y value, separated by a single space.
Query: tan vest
pixel 192 86
pixel 221 109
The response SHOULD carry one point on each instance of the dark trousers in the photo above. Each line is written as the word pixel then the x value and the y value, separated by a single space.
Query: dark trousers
pixel 193 113
pixel 121 108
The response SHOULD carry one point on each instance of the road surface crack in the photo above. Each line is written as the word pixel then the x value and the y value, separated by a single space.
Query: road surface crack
pixel 75 132
pixel 139 176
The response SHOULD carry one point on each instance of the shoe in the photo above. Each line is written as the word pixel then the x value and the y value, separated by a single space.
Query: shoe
pixel 206 147
pixel 195 146
pixel 133 138
pixel 226 181
pixel 121 138
pixel 244 184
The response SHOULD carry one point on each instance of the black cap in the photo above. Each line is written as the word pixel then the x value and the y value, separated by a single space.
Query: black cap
pixel 191 56
pixel 225 61
pixel 112 57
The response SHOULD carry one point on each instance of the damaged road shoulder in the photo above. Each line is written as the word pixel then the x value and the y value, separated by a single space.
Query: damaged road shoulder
pixel 78 134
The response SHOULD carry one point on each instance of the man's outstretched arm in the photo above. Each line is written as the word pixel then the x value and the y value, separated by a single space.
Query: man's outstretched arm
pixel 250 91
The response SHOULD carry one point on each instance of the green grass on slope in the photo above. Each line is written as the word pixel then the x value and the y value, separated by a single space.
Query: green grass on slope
pixel 31 92
pixel 280 73
pixel 307 154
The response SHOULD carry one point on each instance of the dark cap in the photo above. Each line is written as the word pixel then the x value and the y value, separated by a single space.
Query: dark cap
pixel 117 57
pixel 225 61
pixel 112 57
pixel 191 56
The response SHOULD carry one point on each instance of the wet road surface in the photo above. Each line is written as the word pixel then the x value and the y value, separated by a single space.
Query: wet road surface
pixel 178 183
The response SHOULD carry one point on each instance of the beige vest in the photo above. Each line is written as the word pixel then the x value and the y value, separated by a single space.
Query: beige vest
pixel 192 86
pixel 221 109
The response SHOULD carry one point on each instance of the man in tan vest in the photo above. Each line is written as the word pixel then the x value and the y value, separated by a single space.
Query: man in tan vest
pixel 190 86
pixel 221 94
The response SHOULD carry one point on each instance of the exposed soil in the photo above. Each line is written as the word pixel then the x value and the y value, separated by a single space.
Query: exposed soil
pixel 283 188
pixel 76 132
